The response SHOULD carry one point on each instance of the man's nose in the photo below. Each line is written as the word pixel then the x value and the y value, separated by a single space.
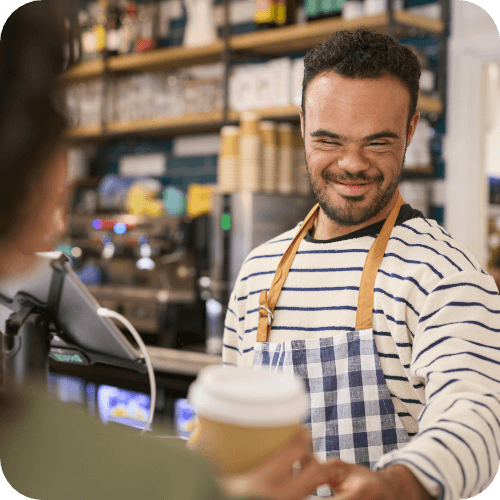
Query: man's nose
pixel 353 160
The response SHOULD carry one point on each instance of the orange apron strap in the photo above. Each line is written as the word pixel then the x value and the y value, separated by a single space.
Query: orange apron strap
pixel 364 312
pixel 268 300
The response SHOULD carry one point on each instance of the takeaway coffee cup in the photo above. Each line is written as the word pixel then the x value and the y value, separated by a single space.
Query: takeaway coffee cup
pixel 245 415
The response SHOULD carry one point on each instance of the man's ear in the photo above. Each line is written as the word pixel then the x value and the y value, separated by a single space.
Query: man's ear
pixel 412 128
pixel 302 122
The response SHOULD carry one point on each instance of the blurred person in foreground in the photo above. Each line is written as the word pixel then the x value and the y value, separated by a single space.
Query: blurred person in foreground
pixel 48 451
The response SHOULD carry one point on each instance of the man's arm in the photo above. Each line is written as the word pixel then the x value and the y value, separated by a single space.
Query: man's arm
pixel 233 336
pixel 456 355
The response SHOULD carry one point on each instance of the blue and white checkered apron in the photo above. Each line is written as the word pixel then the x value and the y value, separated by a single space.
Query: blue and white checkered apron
pixel 352 416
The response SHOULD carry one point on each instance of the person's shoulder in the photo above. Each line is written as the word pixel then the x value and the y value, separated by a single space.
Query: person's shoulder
pixel 274 247
pixel 427 238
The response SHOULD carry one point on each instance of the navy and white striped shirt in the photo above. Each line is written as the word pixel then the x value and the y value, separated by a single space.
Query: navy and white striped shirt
pixel 436 323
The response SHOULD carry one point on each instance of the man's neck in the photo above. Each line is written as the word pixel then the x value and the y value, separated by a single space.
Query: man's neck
pixel 326 229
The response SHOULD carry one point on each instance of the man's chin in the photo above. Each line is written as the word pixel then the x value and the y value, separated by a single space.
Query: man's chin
pixel 349 213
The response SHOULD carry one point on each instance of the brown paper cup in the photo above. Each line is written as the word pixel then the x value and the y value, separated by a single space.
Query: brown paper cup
pixel 245 415
pixel 234 449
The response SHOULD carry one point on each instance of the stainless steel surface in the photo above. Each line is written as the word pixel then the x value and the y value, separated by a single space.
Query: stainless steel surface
pixel 120 292
pixel 184 362
pixel 255 219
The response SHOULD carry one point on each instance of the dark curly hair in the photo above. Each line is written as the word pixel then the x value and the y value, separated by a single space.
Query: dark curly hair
pixel 31 57
pixel 364 54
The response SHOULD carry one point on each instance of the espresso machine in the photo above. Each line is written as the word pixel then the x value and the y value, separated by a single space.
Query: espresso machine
pixel 240 222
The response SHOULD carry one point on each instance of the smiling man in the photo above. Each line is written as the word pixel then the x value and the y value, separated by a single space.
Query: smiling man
pixel 355 173
pixel 392 323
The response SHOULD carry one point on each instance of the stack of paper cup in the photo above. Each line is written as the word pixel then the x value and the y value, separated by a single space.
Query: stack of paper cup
pixel 269 138
pixel 301 179
pixel 250 154
pixel 228 172
pixel 285 155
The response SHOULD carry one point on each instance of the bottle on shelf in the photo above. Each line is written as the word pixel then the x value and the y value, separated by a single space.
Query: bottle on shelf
pixel 113 29
pixel 319 9
pixel 286 13
pixel 265 13
pixel 146 39
pixel 88 39
pixel 275 13
pixel 130 28
pixel 101 21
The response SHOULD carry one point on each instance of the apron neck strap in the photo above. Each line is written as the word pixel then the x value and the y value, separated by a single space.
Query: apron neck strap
pixel 267 301
pixel 364 313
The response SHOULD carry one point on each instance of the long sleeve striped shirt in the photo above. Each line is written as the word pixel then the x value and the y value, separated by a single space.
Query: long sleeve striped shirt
pixel 436 323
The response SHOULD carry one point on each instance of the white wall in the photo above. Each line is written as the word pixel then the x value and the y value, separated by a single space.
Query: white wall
pixel 469 19
pixel 473 43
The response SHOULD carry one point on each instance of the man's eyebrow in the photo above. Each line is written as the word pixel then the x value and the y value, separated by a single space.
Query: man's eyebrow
pixel 379 135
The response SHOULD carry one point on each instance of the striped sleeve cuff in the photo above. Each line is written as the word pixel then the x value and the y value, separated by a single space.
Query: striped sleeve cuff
pixel 426 474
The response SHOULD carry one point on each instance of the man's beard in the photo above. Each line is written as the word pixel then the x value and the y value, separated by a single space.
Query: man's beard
pixel 351 214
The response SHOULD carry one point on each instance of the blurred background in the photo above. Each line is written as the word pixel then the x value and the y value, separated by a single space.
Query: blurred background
pixel 184 153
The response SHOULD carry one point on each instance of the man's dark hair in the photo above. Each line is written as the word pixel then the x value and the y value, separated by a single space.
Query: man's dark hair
pixel 31 56
pixel 364 54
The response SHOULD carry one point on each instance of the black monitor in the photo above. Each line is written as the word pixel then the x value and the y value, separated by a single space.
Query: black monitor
pixel 52 298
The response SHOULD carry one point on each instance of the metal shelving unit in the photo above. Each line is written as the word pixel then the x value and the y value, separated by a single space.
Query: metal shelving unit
pixel 280 41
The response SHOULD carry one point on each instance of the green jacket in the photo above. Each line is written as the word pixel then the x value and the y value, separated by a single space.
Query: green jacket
pixel 49 451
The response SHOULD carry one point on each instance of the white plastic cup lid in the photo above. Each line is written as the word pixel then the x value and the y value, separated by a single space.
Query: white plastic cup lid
pixel 248 397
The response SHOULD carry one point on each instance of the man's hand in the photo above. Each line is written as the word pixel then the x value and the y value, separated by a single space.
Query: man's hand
pixel 356 482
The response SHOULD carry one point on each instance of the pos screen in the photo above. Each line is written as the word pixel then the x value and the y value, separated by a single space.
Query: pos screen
pixel 94 338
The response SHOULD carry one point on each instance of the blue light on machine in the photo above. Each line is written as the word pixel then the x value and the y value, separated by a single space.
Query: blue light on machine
pixel 214 308
pixel 120 228
pixel 97 224
pixel 142 240
pixel 106 239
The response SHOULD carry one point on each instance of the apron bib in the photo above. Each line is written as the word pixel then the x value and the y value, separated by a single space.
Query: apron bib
pixel 352 416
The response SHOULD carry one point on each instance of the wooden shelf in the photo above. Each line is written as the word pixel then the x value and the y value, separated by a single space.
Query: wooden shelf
pixel 84 133
pixel 305 36
pixel 279 41
pixel 81 72
pixel 169 125
pixel 429 104
pixel 423 173
pixel 161 59
pixel 211 121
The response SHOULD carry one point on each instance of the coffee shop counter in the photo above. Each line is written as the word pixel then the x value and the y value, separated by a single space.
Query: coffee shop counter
pixel 175 370
pixel 178 361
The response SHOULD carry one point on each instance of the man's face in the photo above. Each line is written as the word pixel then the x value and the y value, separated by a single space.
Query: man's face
pixel 355 136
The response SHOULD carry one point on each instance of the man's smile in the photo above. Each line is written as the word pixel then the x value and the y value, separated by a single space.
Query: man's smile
pixel 348 188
